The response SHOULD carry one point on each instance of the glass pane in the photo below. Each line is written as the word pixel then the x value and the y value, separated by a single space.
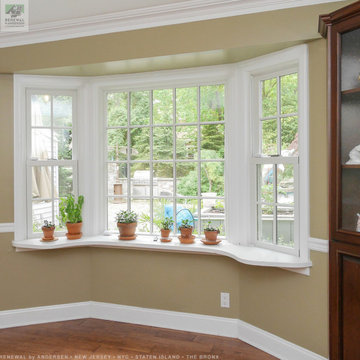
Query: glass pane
pixel 41 185
pixel 62 108
pixel 186 179
pixel 285 226
pixel 163 181
pixel 62 144
pixel 289 136
pixel 289 93
pixel 265 223
pixel 115 205
pixel 265 176
pixel 140 108
pixel 41 210
pixel 163 106
pixel 212 141
pixel 269 137
pixel 41 144
pixel 117 144
pixel 213 210
pixel 186 209
pixel 186 105
pixel 285 184
pixel 63 177
pixel 269 97
pixel 186 142
pixel 163 143
pixel 140 179
pixel 117 109
pixel 142 209
pixel 117 179
pixel 40 110
pixel 140 143
pixel 162 208
pixel 212 99
pixel 212 179
pixel 59 226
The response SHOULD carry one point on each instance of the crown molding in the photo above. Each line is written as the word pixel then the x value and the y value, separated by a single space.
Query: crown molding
pixel 161 15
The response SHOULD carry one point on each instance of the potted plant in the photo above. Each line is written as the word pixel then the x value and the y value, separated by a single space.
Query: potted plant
pixel 165 228
pixel 186 230
pixel 70 212
pixel 48 229
pixel 211 232
pixel 126 223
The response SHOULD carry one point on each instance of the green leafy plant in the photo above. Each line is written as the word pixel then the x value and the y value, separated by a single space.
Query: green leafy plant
pixel 185 224
pixel 48 224
pixel 70 209
pixel 209 227
pixel 126 217
pixel 166 223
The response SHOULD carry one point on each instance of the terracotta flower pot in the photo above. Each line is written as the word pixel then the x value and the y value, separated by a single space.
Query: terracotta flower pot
pixel 211 235
pixel 165 235
pixel 127 231
pixel 74 231
pixel 186 232
pixel 48 233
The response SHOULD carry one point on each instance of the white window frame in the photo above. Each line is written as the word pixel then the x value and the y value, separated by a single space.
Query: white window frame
pixel 24 87
pixel 213 75
pixel 252 72
pixel 239 185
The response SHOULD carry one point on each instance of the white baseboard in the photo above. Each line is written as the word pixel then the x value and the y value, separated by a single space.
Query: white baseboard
pixel 205 324
pixel 44 314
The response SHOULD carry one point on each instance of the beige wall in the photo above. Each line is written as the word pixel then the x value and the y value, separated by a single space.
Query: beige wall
pixel 289 305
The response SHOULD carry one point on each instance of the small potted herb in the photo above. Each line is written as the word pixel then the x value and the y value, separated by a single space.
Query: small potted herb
pixel 165 228
pixel 186 230
pixel 211 232
pixel 126 223
pixel 70 212
pixel 48 229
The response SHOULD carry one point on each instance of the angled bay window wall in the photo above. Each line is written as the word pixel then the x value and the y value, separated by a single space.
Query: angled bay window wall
pixel 165 156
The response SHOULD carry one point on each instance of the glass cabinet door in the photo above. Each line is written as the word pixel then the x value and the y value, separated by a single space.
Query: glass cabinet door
pixel 349 199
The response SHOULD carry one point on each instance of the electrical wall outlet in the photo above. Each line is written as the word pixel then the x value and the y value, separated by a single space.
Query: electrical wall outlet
pixel 224 300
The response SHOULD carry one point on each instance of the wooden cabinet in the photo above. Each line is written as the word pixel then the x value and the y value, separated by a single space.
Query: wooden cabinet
pixel 342 28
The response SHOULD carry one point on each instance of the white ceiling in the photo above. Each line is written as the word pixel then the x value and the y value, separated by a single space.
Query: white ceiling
pixel 44 11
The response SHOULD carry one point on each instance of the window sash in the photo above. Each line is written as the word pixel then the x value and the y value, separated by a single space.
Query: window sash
pixel 256 202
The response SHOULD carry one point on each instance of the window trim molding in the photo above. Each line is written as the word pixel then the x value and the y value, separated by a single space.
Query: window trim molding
pixel 272 64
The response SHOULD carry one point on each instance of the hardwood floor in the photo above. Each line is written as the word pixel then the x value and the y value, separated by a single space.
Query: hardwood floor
pixel 94 339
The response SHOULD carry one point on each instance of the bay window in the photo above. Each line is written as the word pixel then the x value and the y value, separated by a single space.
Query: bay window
pixel 226 144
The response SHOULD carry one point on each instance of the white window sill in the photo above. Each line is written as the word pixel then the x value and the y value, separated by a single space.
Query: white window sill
pixel 244 254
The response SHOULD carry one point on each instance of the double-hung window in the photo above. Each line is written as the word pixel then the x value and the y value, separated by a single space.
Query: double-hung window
pixel 279 178
pixel 165 156
pixel 51 152
pixel 276 159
